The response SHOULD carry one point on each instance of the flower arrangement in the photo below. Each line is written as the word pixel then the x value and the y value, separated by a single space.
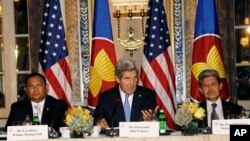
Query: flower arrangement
pixel 79 120
pixel 188 112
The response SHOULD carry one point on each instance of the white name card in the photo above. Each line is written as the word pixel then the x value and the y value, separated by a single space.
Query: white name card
pixel 31 132
pixel 139 129
pixel 223 126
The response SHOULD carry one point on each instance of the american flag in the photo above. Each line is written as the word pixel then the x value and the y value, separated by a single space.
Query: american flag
pixel 207 48
pixel 103 58
pixel 53 57
pixel 157 72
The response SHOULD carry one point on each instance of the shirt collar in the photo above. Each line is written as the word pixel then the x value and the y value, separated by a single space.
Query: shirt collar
pixel 218 102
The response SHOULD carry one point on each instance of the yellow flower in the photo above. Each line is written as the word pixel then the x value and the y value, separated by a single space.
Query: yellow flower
pixel 199 114
pixel 79 119
pixel 68 118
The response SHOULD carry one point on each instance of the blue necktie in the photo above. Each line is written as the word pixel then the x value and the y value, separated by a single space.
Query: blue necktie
pixel 127 108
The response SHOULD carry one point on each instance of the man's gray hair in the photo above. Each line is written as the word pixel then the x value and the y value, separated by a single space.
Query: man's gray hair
pixel 207 73
pixel 124 64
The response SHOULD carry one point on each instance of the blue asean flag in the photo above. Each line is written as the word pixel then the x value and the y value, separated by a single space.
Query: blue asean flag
pixel 103 58
pixel 206 18
pixel 207 49
pixel 102 25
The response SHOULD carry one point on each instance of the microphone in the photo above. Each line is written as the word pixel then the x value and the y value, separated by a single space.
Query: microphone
pixel 113 132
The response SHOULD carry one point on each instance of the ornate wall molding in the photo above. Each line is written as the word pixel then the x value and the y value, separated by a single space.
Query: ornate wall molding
pixel 84 50
pixel 179 52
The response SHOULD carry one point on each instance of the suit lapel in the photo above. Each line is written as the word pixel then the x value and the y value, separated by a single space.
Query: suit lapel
pixel 119 113
pixel 29 110
pixel 136 104
pixel 225 109
pixel 46 110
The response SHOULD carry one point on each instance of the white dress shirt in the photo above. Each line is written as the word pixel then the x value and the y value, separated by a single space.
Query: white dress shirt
pixel 35 110
pixel 218 110
pixel 130 98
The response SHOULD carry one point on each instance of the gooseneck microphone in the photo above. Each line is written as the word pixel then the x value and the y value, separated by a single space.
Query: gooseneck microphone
pixel 113 132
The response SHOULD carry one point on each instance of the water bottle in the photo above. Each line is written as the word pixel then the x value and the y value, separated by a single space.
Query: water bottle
pixel 162 122
pixel 36 120
pixel 27 120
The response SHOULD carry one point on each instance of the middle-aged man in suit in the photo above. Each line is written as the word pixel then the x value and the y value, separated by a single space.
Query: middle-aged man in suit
pixel 110 109
pixel 50 111
pixel 210 86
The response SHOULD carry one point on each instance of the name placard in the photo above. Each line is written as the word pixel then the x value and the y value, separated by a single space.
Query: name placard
pixel 223 126
pixel 31 132
pixel 139 129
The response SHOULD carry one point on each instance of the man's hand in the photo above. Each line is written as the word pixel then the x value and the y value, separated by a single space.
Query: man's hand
pixel 147 114
pixel 102 123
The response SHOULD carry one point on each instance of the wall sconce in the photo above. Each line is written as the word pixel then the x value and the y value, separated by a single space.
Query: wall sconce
pixel 244 41
pixel 130 9
pixel 1 10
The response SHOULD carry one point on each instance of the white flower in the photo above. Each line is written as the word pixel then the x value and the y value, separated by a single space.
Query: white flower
pixel 187 112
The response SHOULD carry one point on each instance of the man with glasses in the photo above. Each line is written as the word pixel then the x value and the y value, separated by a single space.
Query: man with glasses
pixel 215 108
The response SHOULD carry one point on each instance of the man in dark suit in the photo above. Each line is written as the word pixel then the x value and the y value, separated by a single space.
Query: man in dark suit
pixel 111 106
pixel 210 86
pixel 50 111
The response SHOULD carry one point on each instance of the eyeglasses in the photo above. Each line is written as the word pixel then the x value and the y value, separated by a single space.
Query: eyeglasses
pixel 212 84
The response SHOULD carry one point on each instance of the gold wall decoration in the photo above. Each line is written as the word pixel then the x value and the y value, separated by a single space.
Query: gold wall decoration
pixel 130 10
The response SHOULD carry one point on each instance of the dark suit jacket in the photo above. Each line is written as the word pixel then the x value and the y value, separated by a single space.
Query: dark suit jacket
pixel 228 108
pixel 110 105
pixel 53 112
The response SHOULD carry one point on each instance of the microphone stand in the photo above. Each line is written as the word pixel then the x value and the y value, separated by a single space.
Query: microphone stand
pixel 52 132
pixel 113 132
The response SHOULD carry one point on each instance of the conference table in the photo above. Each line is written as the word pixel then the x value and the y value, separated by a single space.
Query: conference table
pixel 199 137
